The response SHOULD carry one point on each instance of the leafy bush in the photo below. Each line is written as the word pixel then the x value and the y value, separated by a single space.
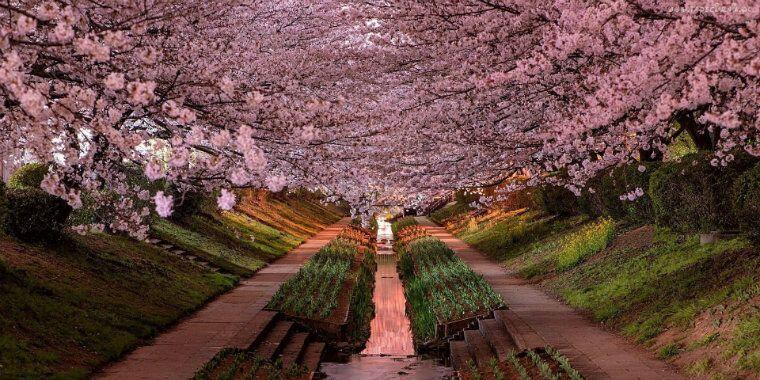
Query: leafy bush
pixel 556 200
pixel 746 201
pixel 188 204
pixel 691 195
pixel 34 215
pixel 610 184
pixel 29 175
pixel 584 243
pixel 402 223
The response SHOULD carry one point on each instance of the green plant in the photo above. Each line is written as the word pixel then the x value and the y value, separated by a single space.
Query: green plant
pixel 668 351
pixel 690 195
pixel 584 243
pixel 519 368
pixel 34 215
pixel 313 291
pixel 564 363
pixel 402 223
pixel 362 307
pixel 29 175
pixel 542 365
pixel 441 287
pixel 556 200
pixel 746 201
pixel 601 197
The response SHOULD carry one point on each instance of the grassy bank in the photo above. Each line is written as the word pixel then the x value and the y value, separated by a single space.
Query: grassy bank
pixel 67 308
pixel 695 305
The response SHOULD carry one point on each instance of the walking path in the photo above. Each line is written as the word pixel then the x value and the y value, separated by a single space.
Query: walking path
pixel 230 320
pixel 597 354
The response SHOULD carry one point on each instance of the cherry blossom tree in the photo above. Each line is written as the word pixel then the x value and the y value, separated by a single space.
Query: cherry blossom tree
pixel 375 102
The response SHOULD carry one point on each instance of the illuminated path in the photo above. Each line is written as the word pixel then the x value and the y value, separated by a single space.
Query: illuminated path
pixel 230 320
pixel 597 354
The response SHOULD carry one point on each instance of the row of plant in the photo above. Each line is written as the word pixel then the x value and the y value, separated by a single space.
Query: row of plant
pixel 401 223
pixel 440 287
pixel 409 234
pixel 547 364
pixel 313 291
pixel 232 363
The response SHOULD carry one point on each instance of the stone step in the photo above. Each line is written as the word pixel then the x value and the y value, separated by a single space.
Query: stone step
pixel 522 334
pixel 274 340
pixel 460 354
pixel 294 349
pixel 312 355
pixel 497 337
pixel 478 347
pixel 254 330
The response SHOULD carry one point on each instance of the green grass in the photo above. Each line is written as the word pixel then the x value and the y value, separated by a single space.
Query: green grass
pixel 229 258
pixel 746 343
pixel 402 223
pixel 440 287
pixel 451 210
pixel 69 308
pixel 588 241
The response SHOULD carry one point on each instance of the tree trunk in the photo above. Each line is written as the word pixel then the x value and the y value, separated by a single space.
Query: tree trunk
pixel 701 137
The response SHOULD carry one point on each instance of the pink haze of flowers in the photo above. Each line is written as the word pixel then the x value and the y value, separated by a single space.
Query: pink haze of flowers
pixel 375 102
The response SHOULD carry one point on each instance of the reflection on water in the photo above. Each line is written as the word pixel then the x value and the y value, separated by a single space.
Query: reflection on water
pixel 389 353
pixel 390 332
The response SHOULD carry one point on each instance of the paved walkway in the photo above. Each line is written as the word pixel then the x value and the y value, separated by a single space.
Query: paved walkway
pixel 596 353
pixel 181 351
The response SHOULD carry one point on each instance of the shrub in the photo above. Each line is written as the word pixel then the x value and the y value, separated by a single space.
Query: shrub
pixel 34 215
pixel 188 204
pixel 746 202
pixel 29 175
pixel 692 195
pixel 610 184
pixel 556 200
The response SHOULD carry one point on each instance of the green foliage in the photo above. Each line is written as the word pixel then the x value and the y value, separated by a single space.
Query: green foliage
pixel 668 351
pixel 669 284
pixel 682 145
pixel 187 204
pixel 229 258
pixel 362 307
pixel 746 201
pixel 34 215
pixel 691 195
pixel 313 292
pixel 29 175
pixel 400 224
pixel 232 363
pixel 556 200
pixel 451 210
pixel 584 243
pixel 441 287
pixel 87 300
pixel 746 343
pixel 610 184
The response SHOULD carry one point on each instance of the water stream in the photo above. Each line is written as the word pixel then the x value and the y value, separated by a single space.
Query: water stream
pixel 389 353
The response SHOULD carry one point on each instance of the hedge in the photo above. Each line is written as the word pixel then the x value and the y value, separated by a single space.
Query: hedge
pixel 29 175
pixel 34 215
pixel 746 201
pixel 556 200
pixel 692 195
pixel 610 184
